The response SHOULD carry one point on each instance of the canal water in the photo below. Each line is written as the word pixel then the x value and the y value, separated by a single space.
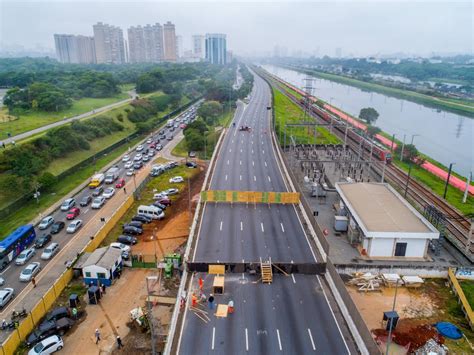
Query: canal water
pixel 444 136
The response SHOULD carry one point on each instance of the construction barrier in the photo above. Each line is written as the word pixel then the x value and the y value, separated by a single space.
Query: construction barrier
pixel 465 306
pixel 250 197
pixel 238 268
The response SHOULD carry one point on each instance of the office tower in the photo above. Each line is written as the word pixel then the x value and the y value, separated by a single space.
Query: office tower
pixel 216 48
pixel 198 46
pixel 169 37
pixel 74 49
pixel 109 44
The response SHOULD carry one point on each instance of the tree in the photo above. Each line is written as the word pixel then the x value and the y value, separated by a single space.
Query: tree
pixel 409 151
pixel 372 130
pixel 369 114
pixel 210 111
pixel 195 140
pixel 47 180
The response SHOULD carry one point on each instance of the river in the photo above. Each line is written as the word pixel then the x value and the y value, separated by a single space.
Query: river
pixel 443 136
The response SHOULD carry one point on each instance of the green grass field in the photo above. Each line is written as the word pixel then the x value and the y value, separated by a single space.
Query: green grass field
pixel 462 107
pixel 468 289
pixel 30 121
pixel 287 111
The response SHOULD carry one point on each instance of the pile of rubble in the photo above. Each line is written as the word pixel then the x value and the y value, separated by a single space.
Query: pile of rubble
pixel 368 282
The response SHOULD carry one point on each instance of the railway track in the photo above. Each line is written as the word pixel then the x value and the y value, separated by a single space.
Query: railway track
pixel 458 227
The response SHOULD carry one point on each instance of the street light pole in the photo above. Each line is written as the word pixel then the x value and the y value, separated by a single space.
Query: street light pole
pixel 403 147
pixel 150 316
pixel 447 180
pixel 389 339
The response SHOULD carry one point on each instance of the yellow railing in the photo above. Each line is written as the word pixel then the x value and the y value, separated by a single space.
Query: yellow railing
pixel 39 310
pixel 466 307
pixel 250 197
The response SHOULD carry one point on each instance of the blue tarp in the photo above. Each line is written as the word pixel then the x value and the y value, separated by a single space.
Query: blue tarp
pixel 448 330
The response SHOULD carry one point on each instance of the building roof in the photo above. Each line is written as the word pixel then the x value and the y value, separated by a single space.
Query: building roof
pixel 381 212
pixel 103 257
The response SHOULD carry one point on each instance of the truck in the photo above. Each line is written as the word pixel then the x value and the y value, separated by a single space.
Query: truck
pixel 96 180
pixel 170 123
pixel 111 175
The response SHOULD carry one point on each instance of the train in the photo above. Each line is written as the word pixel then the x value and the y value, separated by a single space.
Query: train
pixel 378 151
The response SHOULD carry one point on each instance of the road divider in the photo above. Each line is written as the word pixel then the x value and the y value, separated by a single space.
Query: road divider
pixel 250 197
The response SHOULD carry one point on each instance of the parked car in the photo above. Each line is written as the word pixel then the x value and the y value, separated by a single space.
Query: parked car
pixel 85 201
pixel 68 204
pixel 98 191
pixel 74 226
pixel 176 179
pixel 58 313
pixel 30 271
pixel 164 201
pixel 73 213
pixel 159 195
pixel 109 192
pixel 2 281
pixel 120 183
pixel 191 165
pixel 159 205
pixel 130 172
pixel 136 224
pixel 57 227
pixel 127 239
pixel 24 256
pixel 141 218
pixel 171 191
pixel 48 328
pixel 192 154
pixel 98 202
pixel 46 222
pixel 6 295
pixel 128 165
pixel 50 251
pixel 48 345
pixel 126 158
pixel 132 230
pixel 43 240
pixel 120 246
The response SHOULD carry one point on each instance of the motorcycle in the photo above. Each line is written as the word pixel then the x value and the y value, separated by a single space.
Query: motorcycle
pixel 9 326
pixel 19 315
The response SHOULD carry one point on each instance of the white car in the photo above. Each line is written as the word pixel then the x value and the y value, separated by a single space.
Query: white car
pixel 121 246
pixel 68 204
pixel 5 296
pixel 130 172
pixel 47 346
pixel 138 157
pixel 126 158
pixel 176 179
pixel 74 226
pixel 159 196
pixel 46 222
pixel 50 251
pixel 98 202
pixel 149 141
pixel 128 165
pixel 109 192
pixel 30 271
pixel 171 191
pixel 2 281
pixel 139 148
pixel 24 256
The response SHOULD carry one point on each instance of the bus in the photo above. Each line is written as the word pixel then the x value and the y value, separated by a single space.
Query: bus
pixel 15 243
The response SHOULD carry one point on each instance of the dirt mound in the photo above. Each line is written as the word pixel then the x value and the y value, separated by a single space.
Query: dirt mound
pixel 412 338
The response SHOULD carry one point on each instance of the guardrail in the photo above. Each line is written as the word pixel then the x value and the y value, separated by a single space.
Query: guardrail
pixel 457 289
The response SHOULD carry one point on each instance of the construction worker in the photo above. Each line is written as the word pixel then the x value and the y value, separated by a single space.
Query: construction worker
pixel 194 300
pixel 211 301
pixel 230 306
pixel 201 284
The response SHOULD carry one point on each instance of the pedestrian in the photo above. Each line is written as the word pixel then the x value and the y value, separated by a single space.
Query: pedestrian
pixel 97 336
pixel 211 301
pixel 103 289
pixel 33 281
pixel 194 300
pixel 119 342
pixel 4 147
pixel 91 284
pixel 124 190
pixel 4 324
pixel 230 306
pixel 74 312
pixel 181 270
pixel 201 284
pixel 203 298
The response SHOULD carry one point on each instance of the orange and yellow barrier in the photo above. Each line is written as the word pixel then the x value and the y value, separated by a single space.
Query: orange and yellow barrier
pixel 250 197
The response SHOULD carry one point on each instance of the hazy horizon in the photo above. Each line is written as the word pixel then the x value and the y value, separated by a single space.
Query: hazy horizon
pixel 356 27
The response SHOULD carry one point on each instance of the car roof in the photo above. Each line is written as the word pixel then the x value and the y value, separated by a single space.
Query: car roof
pixel 4 291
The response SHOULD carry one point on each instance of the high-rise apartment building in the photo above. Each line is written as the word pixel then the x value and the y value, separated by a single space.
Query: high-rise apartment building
pixel 198 46
pixel 109 44
pixel 179 46
pixel 216 48
pixel 145 44
pixel 169 36
pixel 74 49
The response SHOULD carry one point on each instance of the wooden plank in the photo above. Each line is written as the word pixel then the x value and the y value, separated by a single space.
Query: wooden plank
pixel 222 310
pixel 216 269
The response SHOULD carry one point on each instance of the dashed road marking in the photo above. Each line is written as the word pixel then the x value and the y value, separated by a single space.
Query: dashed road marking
pixel 214 337
pixel 220 228
pixel 254 178
pixel 230 150
pixel 261 225
pixel 253 163
pixel 263 151
pixel 228 162
pixel 241 226
pixel 265 163
pixel 246 339
pixel 226 178
pixel 270 180
pixel 241 162
pixel 293 277
pixel 240 177
pixel 311 338
pixel 282 228
pixel 279 341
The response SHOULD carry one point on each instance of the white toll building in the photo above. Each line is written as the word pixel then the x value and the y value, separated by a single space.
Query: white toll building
pixel 382 222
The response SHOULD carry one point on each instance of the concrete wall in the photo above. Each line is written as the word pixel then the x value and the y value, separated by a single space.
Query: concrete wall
pixel 385 247
pixel 415 247
pixel 380 247
pixel 422 271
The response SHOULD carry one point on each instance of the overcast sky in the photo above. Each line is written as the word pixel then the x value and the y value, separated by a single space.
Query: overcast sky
pixel 357 27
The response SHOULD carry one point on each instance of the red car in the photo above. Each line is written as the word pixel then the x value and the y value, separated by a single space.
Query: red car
pixel 73 213
pixel 152 146
pixel 120 183
pixel 164 201
pixel 182 126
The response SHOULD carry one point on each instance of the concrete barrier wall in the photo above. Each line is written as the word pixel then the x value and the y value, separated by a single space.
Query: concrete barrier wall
pixel 422 271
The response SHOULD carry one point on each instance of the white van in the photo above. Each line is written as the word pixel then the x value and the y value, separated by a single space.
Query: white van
pixel 151 211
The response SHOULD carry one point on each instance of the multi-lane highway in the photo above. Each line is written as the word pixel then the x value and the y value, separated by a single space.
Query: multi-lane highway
pixel 291 315
pixel 11 273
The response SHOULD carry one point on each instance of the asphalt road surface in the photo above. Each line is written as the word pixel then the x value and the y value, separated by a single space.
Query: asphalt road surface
pixel 290 316
pixel 12 272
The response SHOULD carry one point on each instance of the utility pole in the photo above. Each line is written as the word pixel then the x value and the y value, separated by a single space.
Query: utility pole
pixel 447 180
pixel 389 339
pixel 393 140
pixel 466 190
pixel 408 181
pixel 403 147
pixel 150 315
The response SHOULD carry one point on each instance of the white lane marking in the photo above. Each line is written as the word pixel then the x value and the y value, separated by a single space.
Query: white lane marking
pixel 279 340
pixel 252 151
pixel 311 338
pixel 214 337
pixel 230 150
pixel 85 211
pixel 293 277
pixel 241 226
pixel 240 177
pixel 228 162
pixel 261 225
pixel 226 178
pixel 263 151
pixel 282 228
pixel 265 163
pixel 241 150
pixel 232 141
pixel 246 340
pixel 5 270
pixel 241 162
pixel 253 163
pixel 270 180
pixel 220 228
pixel 254 178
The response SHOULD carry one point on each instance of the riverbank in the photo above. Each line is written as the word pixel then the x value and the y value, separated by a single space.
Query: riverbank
pixel 464 108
